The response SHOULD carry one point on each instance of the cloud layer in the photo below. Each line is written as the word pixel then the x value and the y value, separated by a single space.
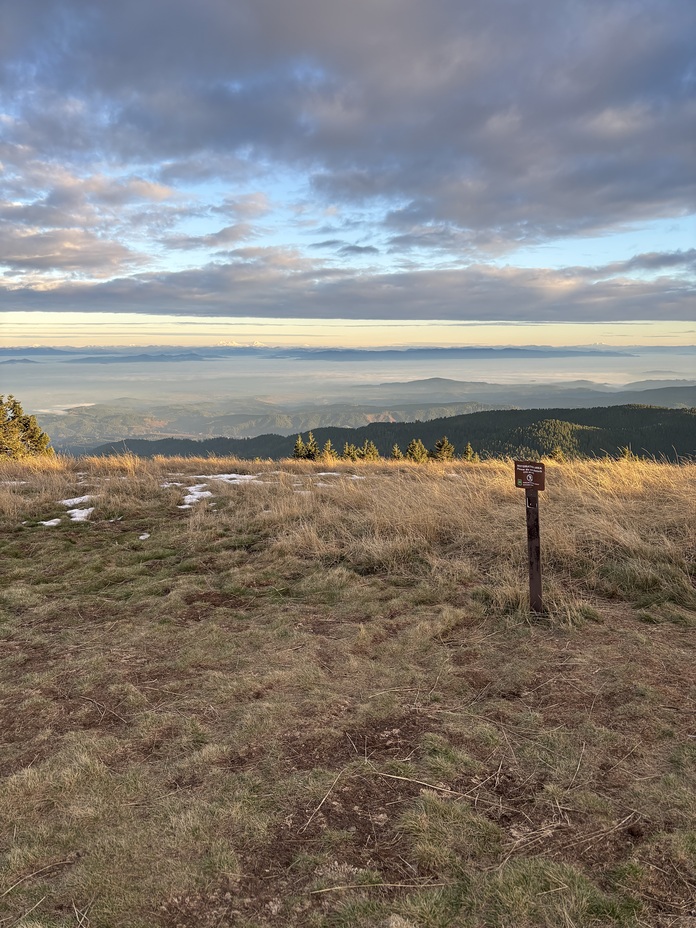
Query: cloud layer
pixel 377 158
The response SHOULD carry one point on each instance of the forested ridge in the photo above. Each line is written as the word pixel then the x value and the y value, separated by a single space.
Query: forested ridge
pixel 645 430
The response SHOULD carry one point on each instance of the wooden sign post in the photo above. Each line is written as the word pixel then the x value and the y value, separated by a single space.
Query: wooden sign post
pixel 531 475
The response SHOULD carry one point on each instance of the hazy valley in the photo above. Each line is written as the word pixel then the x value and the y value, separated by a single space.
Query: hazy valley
pixel 89 397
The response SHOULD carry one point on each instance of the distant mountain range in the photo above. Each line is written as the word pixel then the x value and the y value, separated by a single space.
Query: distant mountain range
pixel 668 433
pixel 435 354
pixel 571 394
pixel 136 358
pixel 35 352
pixel 334 355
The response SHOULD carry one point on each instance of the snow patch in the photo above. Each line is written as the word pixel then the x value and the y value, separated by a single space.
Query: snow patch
pixel 198 492
pixel 51 522
pixel 144 536
pixel 80 515
pixel 76 501
pixel 195 494
pixel 229 478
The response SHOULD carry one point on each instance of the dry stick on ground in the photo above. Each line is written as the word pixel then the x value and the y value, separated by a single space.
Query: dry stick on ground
pixel 602 833
pixel 20 919
pixel 577 769
pixel 448 710
pixel 29 876
pixel 451 792
pixel 104 708
pixel 82 917
pixel 628 754
pixel 332 889
pixel 441 789
pixel 326 796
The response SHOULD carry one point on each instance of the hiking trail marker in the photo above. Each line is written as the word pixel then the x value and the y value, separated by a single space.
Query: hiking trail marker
pixel 531 477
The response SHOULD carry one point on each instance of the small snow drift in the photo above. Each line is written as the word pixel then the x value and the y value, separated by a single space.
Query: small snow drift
pixel 75 502
pixel 80 515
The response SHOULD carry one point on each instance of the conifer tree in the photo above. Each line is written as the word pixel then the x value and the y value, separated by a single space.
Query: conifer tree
pixel 397 454
pixel 469 453
pixel 300 450
pixel 443 450
pixel 368 451
pixel 416 451
pixel 626 453
pixel 350 452
pixel 328 452
pixel 312 447
pixel 20 434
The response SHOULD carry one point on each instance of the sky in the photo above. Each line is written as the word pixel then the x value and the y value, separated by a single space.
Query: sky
pixel 373 172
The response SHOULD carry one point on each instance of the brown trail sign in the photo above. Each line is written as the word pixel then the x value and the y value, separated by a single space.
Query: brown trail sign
pixel 531 476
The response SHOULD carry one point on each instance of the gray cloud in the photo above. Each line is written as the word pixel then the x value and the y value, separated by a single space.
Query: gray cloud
pixel 535 117
pixel 461 130
pixel 247 206
pixel 655 261
pixel 238 232
pixel 359 250
pixel 72 251
pixel 282 283
pixel 650 262
pixel 327 243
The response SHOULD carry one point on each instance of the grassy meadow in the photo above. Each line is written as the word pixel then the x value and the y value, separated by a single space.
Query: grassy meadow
pixel 320 701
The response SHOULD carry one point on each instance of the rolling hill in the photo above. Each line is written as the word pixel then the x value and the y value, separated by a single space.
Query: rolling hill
pixel 649 430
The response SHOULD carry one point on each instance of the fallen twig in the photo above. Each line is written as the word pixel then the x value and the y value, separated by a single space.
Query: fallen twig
pixel 21 918
pixel 326 796
pixel 623 758
pixel 603 832
pixel 332 889
pixel 58 863
pixel 104 708
pixel 442 789
pixel 577 769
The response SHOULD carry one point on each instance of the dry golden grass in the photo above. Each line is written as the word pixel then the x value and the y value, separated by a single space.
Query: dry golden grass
pixel 322 701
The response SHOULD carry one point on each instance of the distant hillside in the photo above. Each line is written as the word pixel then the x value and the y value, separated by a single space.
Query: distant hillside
pixel 136 358
pixel 438 354
pixel 80 428
pixel 650 430
pixel 534 395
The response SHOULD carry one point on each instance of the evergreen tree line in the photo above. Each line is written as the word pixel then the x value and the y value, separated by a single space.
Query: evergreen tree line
pixel 416 451
pixel 522 433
